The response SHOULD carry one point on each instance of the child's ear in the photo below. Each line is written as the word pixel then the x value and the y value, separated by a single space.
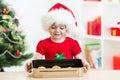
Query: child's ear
pixel 66 28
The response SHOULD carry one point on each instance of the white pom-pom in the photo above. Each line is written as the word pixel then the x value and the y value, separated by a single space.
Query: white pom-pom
pixel 77 33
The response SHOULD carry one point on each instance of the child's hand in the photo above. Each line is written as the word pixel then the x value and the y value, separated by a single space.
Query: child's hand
pixel 86 67
pixel 28 67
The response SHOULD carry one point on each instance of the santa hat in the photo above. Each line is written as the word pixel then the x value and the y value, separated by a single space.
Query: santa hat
pixel 60 14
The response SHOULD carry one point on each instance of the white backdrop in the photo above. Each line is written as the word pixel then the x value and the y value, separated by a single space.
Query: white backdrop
pixel 29 13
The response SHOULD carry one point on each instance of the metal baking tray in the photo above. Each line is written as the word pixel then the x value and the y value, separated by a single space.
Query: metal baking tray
pixel 75 63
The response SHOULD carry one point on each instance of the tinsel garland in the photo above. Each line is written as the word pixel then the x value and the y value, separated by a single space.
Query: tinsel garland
pixel 1 33
pixel 6 51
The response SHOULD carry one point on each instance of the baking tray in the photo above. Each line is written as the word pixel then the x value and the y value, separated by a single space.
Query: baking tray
pixel 68 68
pixel 74 63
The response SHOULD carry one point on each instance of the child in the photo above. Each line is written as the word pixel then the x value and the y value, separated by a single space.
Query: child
pixel 58 22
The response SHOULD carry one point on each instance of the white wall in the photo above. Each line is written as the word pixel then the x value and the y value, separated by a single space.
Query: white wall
pixel 29 13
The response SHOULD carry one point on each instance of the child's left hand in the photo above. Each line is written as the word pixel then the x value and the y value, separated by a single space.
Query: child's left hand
pixel 86 67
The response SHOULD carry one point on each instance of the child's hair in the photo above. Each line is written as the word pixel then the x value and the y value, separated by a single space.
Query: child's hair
pixel 60 14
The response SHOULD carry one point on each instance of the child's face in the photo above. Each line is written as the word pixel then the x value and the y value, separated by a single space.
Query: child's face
pixel 57 31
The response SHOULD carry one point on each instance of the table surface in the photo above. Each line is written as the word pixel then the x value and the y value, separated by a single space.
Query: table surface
pixel 90 75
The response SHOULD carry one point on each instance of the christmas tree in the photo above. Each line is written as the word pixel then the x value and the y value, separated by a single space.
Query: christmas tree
pixel 12 39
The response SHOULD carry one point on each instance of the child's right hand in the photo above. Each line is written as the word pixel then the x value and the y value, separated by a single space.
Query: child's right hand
pixel 28 67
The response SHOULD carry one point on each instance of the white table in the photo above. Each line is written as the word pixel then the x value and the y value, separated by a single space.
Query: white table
pixel 90 75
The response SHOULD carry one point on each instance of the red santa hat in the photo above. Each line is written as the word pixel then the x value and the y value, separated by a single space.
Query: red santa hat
pixel 60 14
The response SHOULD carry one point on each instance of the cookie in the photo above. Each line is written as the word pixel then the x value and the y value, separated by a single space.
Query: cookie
pixel 56 67
pixel 41 67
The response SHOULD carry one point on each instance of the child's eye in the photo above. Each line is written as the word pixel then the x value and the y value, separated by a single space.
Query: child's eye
pixel 53 27
pixel 62 28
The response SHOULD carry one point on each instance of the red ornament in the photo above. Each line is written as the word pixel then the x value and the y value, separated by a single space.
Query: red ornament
pixel 118 23
pixel 5 29
pixel 18 53
pixel 4 11
pixel 59 51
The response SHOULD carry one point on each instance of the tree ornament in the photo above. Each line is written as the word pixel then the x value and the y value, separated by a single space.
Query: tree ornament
pixel 10 46
pixel 18 53
pixel 10 24
pixel 6 17
pixel 1 29
pixel 5 29
pixel 59 54
pixel 16 20
pixel 1 40
pixel 4 11
pixel 24 43
pixel 16 37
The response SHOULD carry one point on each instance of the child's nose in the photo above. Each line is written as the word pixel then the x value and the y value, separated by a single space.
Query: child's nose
pixel 57 29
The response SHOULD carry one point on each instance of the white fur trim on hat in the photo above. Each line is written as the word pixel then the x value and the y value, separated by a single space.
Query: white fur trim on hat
pixel 60 16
